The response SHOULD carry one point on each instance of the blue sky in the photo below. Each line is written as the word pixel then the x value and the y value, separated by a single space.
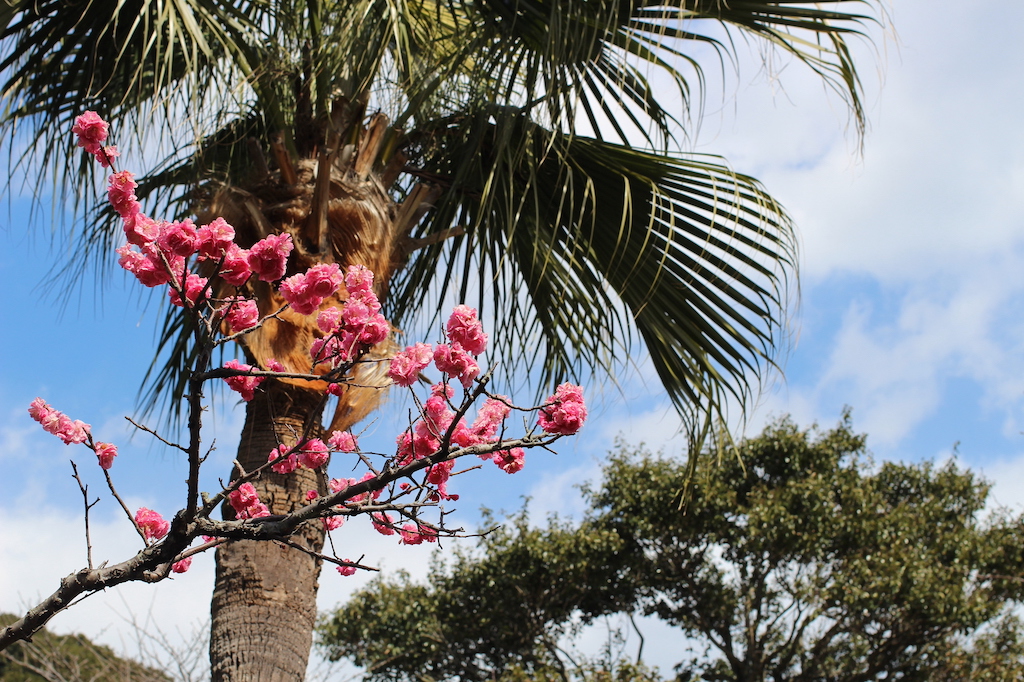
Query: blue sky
pixel 910 312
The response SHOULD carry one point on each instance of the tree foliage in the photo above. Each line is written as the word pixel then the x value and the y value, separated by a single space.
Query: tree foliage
pixel 789 556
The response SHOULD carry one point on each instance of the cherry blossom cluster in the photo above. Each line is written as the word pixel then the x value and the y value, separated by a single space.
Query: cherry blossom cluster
pixel 162 253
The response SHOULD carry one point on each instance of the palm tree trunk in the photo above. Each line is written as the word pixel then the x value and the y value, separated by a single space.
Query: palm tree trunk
pixel 264 599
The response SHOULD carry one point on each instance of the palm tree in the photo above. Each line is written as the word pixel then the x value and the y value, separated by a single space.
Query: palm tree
pixel 517 154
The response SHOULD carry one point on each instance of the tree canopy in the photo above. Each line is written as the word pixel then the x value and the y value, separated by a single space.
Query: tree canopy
pixel 791 557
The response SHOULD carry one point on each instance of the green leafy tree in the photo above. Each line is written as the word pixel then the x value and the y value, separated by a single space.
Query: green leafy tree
pixel 498 612
pixel 68 658
pixel 787 555
pixel 484 149
pixel 792 559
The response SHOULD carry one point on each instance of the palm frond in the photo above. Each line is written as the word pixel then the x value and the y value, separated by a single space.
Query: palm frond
pixel 582 248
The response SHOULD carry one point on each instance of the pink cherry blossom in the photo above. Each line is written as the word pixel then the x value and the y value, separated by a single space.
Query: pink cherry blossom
pixel 140 229
pixel 181 239
pixel 358 278
pixel 328 320
pixel 182 566
pixel 275 366
pixel 256 511
pixel 343 441
pixel 564 412
pixel 268 258
pixel 235 270
pixel 243 497
pixel 383 523
pixel 375 330
pixel 243 314
pixel 333 522
pixel 466 330
pixel 121 193
pixel 492 413
pixel 215 238
pixel 147 267
pixel 194 286
pixel 456 362
pixel 510 461
pixel 306 291
pixel 347 570
pixel 407 364
pixel 338 484
pixel 152 524
pixel 282 464
pixel 356 313
pixel 313 454
pixel 91 131
pixel 106 155
pixel 244 385
pixel 414 535
pixel 59 424
pixel 105 453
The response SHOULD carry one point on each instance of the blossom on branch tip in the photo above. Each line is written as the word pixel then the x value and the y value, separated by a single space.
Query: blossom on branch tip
pixel 152 524
pixel 333 522
pixel 91 131
pixel 564 412
pixel 59 424
pixel 347 570
pixel 466 330
pixel 105 453
pixel 182 566
pixel 358 278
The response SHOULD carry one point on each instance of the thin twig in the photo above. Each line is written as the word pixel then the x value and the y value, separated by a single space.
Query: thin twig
pixel 85 498
pixel 131 517
pixel 142 427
